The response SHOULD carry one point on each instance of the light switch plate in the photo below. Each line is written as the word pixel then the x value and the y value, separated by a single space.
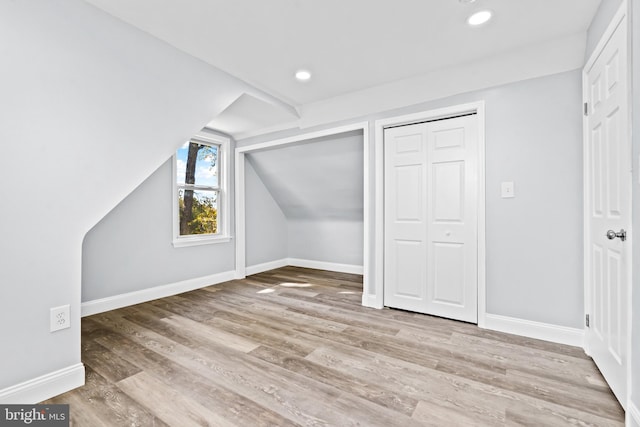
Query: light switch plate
pixel 508 190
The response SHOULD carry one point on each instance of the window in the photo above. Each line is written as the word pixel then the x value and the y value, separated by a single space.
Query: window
pixel 200 207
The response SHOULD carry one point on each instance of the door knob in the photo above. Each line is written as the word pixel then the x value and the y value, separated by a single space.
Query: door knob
pixel 622 235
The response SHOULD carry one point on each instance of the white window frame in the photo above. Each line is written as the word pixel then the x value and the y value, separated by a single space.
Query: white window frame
pixel 224 217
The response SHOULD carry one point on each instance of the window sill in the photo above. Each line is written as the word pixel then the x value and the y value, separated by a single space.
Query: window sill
pixel 182 242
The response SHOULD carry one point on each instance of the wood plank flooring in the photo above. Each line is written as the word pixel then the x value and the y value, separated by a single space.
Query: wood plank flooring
pixel 294 346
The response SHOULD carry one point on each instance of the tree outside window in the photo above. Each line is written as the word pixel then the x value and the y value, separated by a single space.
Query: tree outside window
pixel 198 188
pixel 201 211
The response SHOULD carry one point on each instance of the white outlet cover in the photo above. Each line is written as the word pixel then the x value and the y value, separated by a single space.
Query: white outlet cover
pixel 508 190
pixel 59 318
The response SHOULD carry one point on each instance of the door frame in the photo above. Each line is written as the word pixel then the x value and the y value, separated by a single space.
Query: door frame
pixel 376 296
pixel 240 213
pixel 621 15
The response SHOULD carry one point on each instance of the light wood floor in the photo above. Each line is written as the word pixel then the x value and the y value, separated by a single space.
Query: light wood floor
pixel 294 347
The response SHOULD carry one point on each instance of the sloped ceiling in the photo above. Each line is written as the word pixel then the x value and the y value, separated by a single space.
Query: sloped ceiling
pixel 248 114
pixel 315 179
pixel 357 46
pixel 350 45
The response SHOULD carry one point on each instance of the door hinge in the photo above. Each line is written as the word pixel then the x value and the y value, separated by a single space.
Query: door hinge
pixel 586 320
pixel 586 108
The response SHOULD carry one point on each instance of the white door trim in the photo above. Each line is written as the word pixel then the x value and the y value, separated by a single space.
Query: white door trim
pixel 375 297
pixel 240 267
pixel 621 15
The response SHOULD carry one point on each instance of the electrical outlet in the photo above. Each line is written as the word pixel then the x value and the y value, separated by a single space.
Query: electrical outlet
pixel 60 318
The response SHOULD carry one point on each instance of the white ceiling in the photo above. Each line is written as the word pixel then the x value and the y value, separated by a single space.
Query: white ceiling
pixel 248 112
pixel 349 45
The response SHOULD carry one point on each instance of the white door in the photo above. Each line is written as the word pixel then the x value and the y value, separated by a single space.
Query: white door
pixel 608 210
pixel 431 200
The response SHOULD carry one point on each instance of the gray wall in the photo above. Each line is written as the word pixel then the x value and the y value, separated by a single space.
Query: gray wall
pixel 333 241
pixel 534 241
pixel 599 24
pixel 318 185
pixel 265 223
pixel 131 248
pixel 85 119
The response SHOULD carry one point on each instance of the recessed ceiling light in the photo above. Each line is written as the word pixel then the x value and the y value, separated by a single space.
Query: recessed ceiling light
pixel 303 75
pixel 466 1
pixel 479 18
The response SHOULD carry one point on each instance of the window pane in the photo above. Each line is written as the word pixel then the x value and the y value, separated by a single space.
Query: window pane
pixel 198 212
pixel 197 164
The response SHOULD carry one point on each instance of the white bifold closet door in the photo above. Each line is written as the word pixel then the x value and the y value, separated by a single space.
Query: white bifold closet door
pixel 431 227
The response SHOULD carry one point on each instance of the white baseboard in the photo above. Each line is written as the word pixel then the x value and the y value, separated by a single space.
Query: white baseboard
pixel 118 301
pixel 537 330
pixel 633 415
pixel 44 387
pixel 266 266
pixel 372 301
pixel 329 266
